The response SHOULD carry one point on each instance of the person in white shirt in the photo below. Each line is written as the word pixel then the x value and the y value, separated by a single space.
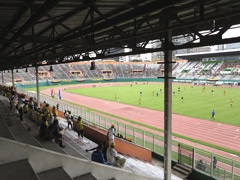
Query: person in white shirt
pixel 111 134
pixel 113 158
pixel 14 101
pixel 20 104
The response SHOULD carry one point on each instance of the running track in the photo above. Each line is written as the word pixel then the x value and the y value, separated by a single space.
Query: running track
pixel 222 135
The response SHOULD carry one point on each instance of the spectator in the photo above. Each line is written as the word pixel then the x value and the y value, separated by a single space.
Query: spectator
pixel 68 118
pixel 111 134
pixel 104 149
pixel 20 105
pixel 201 166
pixel 43 127
pixel 53 132
pixel 14 101
pixel 113 158
pixel 97 156
pixel 214 162
pixel 31 103
pixel 54 111
pixel 80 128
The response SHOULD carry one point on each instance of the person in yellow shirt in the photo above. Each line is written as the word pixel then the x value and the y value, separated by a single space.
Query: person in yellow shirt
pixel 231 103
pixel 80 128
pixel 54 111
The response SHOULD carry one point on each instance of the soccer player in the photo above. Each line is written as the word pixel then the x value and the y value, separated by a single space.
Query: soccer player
pixel 181 99
pixel 212 92
pixel 178 90
pixel 213 114
pixel 231 102
pixel 224 92
pixel 160 90
pixel 157 93
pixel 140 100
pixel 153 93
pixel 174 93
pixel 115 96
pixel 140 93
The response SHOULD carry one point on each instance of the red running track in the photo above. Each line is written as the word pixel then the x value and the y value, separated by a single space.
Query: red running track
pixel 222 135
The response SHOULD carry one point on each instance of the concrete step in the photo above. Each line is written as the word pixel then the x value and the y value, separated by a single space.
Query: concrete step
pixel 54 174
pixel 20 133
pixel 4 130
pixel 17 170
pixel 87 176
pixel 186 168
pixel 49 144
pixel 181 170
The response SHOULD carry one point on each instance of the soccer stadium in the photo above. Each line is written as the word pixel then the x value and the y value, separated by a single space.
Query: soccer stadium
pixel 173 108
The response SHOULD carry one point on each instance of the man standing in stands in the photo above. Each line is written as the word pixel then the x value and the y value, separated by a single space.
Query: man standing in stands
pixel 20 105
pixel 80 127
pixel 111 134
pixel 113 158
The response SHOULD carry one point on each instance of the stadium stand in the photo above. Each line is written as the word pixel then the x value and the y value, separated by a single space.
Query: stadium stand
pixel 181 70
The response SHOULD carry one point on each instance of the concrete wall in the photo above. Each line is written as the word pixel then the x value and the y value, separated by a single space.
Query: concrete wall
pixel 42 160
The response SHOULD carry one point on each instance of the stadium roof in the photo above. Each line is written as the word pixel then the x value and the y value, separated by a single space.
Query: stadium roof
pixel 35 30
pixel 200 55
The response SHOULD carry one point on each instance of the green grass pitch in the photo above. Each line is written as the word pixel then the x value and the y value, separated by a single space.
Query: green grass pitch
pixel 196 103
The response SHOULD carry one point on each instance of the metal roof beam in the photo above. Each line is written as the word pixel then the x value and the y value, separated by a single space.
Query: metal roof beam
pixel 39 13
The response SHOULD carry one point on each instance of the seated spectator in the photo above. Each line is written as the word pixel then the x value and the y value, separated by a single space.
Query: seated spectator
pixel 97 156
pixel 25 107
pixel 201 166
pixel 104 149
pixel 53 132
pixel 43 127
pixel 112 157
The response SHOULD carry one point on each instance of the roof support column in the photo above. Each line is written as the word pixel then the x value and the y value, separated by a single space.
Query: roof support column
pixel 12 79
pixel 2 79
pixel 37 86
pixel 167 104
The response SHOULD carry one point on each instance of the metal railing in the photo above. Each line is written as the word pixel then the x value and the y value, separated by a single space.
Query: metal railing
pixel 225 168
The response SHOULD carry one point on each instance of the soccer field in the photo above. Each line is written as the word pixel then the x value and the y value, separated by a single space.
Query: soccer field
pixel 196 103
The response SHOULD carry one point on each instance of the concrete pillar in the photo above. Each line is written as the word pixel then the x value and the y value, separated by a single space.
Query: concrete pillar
pixel 2 79
pixel 37 85
pixel 12 79
pixel 167 105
